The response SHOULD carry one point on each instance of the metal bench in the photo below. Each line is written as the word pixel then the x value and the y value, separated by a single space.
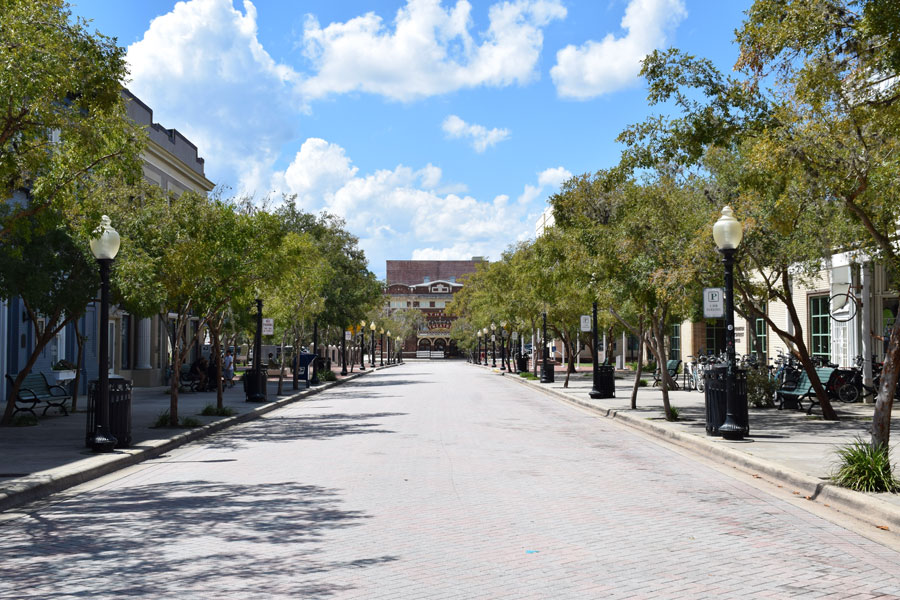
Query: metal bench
pixel 35 390
pixel 672 367
pixel 803 389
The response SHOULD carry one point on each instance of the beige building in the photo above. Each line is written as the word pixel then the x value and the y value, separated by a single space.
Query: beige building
pixel 139 348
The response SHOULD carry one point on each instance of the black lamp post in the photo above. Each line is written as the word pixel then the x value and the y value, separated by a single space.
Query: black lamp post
pixel 362 345
pixel 547 375
pixel 372 354
pixel 255 386
pixel 502 345
pixel 595 389
pixel 104 248
pixel 493 346
pixel 727 233
pixel 314 379
pixel 389 347
pixel 381 347
pixel 344 351
pixel 478 347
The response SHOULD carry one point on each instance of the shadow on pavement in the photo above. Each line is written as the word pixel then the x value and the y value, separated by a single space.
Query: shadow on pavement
pixel 309 427
pixel 198 537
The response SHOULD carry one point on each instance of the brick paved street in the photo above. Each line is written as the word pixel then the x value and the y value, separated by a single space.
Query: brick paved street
pixel 431 480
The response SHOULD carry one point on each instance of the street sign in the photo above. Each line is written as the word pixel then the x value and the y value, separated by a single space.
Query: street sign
pixel 348 336
pixel 515 335
pixel 713 303
pixel 586 323
pixel 493 338
pixel 268 327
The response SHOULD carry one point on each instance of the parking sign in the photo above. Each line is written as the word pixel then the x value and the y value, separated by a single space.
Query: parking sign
pixel 586 322
pixel 713 303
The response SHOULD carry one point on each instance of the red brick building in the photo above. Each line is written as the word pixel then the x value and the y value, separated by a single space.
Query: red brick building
pixel 427 285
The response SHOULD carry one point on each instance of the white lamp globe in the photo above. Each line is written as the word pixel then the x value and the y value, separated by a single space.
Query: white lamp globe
pixel 727 231
pixel 106 243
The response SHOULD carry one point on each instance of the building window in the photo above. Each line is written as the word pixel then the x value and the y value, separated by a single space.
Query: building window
pixel 431 304
pixel 427 279
pixel 415 304
pixel 819 327
pixel 408 304
pixel 762 336
pixel 715 336
pixel 675 342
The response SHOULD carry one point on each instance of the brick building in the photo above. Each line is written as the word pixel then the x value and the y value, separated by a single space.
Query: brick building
pixel 427 285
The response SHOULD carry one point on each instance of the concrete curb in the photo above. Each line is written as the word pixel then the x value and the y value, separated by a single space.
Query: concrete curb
pixel 43 483
pixel 861 506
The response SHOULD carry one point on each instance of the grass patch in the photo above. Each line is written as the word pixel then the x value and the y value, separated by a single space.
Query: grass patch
pixel 643 383
pixel 865 468
pixel 527 375
pixel 210 410
pixel 328 376
pixel 25 421
pixel 673 414
pixel 162 422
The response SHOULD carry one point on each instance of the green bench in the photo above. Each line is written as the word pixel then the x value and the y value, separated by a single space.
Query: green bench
pixel 36 390
pixel 672 367
pixel 803 389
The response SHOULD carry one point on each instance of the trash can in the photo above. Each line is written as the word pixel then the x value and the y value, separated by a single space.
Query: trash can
pixel 119 411
pixel 255 384
pixel 521 363
pixel 606 382
pixel 714 396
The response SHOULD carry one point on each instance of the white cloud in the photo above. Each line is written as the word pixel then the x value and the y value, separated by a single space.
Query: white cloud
pixel 609 65
pixel 481 136
pixel 552 178
pixel 429 51
pixel 202 69
pixel 402 212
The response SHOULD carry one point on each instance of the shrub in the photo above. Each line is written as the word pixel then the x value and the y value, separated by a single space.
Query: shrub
pixel 328 376
pixel 673 414
pixel 211 410
pixel 25 421
pixel 760 388
pixel 865 468
pixel 189 423
pixel 162 421
pixel 642 383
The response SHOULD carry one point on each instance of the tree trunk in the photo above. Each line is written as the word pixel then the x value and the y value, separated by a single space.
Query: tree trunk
pixel 881 420
pixel 658 347
pixel 79 364
pixel 640 367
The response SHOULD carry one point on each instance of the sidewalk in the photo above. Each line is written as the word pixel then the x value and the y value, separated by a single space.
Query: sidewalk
pixel 785 446
pixel 51 456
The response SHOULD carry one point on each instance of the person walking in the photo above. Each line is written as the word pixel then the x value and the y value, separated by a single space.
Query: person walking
pixel 228 368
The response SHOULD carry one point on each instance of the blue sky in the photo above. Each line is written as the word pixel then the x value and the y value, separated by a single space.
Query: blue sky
pixel 437 129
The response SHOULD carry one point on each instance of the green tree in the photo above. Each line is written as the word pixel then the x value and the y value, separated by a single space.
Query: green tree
pixel 54 276
pixel 64 133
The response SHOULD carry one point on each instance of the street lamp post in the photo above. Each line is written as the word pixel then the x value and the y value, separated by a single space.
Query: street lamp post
pixel 381 346
pixel 255 387
pixel 727 233
pixel 362 345
pixel 372 327
pixel 344 352
pixel 478 347
pixel 595 389
pixel 493 345
pixel 547 375
pixel 314 380
pixel 104 248
pixel 502 345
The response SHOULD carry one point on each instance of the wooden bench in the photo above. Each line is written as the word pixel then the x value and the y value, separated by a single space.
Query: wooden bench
pixel 672 367
pixel 35 390
pixel 802 388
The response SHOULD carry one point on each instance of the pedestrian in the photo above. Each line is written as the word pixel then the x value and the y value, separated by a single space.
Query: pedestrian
pixel 228 368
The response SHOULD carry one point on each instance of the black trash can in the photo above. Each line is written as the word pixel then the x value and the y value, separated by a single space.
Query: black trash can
pixel 606 382
pixel 522 363
pixel 119 411
pixel 716 409
pixel 547 373
pixel 255 384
